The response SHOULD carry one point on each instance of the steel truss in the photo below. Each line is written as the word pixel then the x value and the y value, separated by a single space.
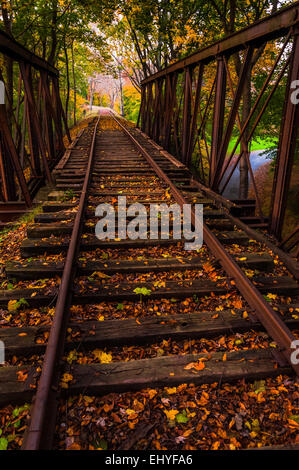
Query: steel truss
pixel 31 131
pixel 193 107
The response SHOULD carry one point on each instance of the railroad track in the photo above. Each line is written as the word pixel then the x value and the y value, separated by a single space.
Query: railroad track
pixel 232 287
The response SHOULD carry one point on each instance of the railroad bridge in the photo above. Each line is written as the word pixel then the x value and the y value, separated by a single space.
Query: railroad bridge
pixel 97 295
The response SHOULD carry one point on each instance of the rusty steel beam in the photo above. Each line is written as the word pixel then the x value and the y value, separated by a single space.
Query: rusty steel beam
pixel 218 118
pixel 271 27
pixel 256 122
pixel 256 103
pixel 14 159
pixel 286 147
pixel 11 48
pixel 60 111
pixel 25 71
pixel 172 86
pixel 186 113
pixel 54 112
pixel 244 144
pixel 195 113
pixel 215 176
pixel 156 113
pixel 41 112
pixel 265 313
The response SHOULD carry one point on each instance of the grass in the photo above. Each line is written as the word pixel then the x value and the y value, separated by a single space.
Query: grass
pixel 24 219
pixel 260 144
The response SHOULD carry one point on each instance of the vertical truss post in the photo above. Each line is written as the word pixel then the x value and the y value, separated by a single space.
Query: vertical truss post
pixel 157 105
pixel 162 107
pixel 60 110
pixel 186 113
pixel 218 117
pixel 195 113
pixel 33 113
pixel 231 120
pixel 287 145
pixel 166 116
pixel 5 192
pixel 141 112
pixel 172 81
pixel 32 141
pixel 14 159
pixel 50 111
pixel 143 107
pixel 148 111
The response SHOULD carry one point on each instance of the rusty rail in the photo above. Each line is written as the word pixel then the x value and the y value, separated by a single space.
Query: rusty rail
pixel 39 435
pixel 265 313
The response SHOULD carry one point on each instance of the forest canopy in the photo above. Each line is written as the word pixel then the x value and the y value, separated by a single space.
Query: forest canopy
pixel 131 37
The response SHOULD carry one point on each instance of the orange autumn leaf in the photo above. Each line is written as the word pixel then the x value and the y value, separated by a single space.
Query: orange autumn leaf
pixel 195 365
pixel 22 375
pixel 293 423
pixel 237 303
pixel 152 393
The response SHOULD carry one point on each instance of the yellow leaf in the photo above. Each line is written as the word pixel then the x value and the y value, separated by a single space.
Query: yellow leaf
pixel 170 391
pixel 12 305
pixel 171 414
pixel 272 296
pixel 100 275
pixel 66 377
pixel 102 356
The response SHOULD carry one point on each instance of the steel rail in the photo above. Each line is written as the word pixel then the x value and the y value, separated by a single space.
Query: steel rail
pixel 39 435
pixel 265 313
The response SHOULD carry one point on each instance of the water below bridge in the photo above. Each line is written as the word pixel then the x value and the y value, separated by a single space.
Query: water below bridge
pixel 257 159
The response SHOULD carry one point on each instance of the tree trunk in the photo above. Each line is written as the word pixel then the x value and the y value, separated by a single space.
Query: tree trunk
pixel 52 54
pixel 74 84
pixel 7 21
pixel 67 80
pixel 121 93
pixel 91 95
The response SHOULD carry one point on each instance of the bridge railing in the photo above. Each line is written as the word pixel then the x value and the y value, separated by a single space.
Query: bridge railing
pixel 200 110
pixel 32 123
